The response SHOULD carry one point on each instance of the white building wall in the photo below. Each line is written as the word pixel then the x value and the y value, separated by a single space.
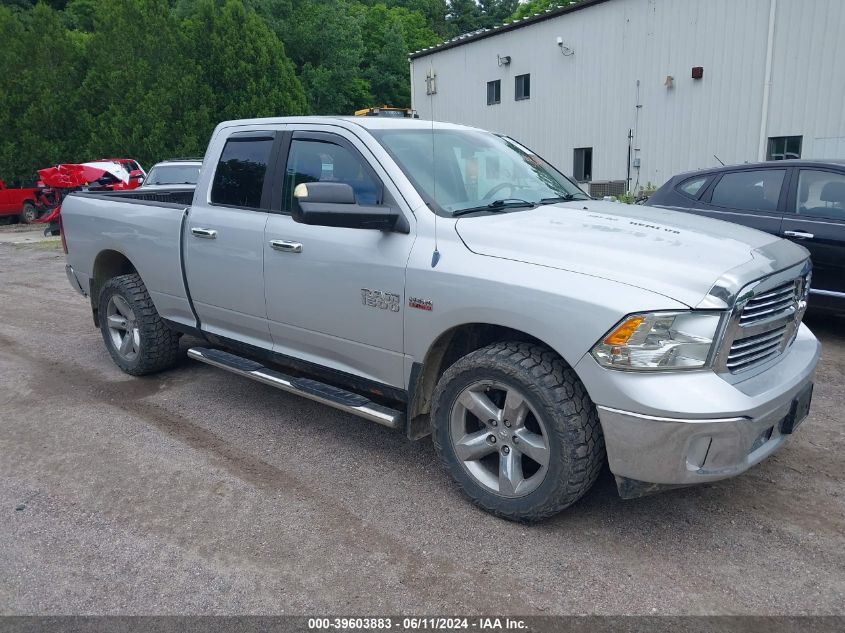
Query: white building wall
pixel 589 99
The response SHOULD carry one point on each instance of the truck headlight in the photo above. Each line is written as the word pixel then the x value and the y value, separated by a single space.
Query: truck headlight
pixel 660 340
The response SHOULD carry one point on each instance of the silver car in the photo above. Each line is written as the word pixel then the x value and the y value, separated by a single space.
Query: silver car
pixel 173 173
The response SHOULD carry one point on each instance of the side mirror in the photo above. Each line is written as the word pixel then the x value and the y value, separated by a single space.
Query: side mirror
pixel 333 204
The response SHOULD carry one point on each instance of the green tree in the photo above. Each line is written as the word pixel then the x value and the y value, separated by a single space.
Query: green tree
pixel 40 104
pixel 326 44
pixel 463 16
pixel 389 34
pixel 531 7
pixel 142 91
pixel 242 64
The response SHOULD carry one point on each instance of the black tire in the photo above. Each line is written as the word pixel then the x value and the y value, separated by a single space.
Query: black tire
pixel 575 441
pixel 158 347
pixel 29 213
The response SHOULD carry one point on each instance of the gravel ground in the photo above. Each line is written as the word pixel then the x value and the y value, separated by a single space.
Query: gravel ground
pixel 198 492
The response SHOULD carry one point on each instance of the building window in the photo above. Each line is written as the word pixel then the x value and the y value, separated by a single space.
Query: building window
pixel 494 92
pixel 783 147
pixel 583 164
pixel 523 87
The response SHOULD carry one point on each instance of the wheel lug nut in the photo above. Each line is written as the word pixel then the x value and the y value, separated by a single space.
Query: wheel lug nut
pixel 491 439
pixel 493 423
pixel 508 423
pixel 506 450
pixel 515 439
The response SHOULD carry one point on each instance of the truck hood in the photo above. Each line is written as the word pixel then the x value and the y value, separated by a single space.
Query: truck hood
pixel 678 255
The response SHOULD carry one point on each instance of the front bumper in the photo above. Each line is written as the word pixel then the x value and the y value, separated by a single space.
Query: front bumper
pixel 693 427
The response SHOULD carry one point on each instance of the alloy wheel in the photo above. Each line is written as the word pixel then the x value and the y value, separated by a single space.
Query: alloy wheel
pixel 499 439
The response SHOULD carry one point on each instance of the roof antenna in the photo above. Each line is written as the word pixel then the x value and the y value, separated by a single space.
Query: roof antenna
pixel 719 159
pixel 435 256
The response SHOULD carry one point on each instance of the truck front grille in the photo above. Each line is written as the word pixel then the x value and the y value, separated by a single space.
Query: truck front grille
pixel 765 322
pixel 770 304
pixel 747 352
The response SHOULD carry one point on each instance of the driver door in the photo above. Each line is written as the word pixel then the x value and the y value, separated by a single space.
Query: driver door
pixel 336 296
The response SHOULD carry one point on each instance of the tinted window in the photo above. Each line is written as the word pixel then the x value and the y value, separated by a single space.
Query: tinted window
pixel 523 87
pixel 692 186
pixel 821 194
pixel 320 161
pixel 239 178
pixel 754 190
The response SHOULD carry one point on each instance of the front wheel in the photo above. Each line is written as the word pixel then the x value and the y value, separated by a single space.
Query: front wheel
pixel 517 431
pixel 138 340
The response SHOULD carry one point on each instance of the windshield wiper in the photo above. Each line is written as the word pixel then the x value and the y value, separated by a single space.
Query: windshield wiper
pixel 567 198
pixel 496 206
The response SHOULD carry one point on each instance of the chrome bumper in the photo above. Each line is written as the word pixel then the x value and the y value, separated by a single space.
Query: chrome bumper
pixel 663 434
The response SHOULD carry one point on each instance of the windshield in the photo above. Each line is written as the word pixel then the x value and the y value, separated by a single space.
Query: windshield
pixel 462 171
pixel 173 175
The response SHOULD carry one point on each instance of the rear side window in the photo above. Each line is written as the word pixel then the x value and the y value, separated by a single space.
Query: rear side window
pixel 821 194
pixel 239 177
pixel 757 190
pixel 692 186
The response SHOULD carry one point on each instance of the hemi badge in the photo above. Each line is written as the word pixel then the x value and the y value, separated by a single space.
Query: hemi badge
pixel 420 304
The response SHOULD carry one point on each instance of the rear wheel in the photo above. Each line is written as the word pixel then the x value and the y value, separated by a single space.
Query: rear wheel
pixel 137 339
pixel 517 431
pixel 29 213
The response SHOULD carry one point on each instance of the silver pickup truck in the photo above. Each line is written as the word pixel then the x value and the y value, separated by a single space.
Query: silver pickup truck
pixel 443 280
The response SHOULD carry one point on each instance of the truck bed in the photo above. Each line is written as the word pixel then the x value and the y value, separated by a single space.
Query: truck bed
pixel 144 227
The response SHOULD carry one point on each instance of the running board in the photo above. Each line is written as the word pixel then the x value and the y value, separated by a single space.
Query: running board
pixel 312 389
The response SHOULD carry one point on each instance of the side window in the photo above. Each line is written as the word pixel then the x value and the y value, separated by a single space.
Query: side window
pixel 522 87
pixel 692 186
pixel 757 190
pixel 583 164
pixel 239 177
pixel 323 161
pixel 821 194
pixel 494 92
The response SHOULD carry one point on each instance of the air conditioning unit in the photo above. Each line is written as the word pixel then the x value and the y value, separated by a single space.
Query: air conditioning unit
pixel 601 188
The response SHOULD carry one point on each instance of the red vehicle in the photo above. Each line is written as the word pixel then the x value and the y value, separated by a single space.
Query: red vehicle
pixel 21 203
pixel 137 175
pixel 104 175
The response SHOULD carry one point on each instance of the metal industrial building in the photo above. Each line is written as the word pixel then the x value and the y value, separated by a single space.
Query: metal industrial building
pixel 679 82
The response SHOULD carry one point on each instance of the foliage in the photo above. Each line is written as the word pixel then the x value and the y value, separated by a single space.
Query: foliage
pixel 527 9
pixel 149 79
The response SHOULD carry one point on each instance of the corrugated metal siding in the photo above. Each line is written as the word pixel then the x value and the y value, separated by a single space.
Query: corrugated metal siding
pixel 590 98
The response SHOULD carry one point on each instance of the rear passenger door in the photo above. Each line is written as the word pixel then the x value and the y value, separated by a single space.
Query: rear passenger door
pixel 816 220
pixel 224 238
pixel 752 197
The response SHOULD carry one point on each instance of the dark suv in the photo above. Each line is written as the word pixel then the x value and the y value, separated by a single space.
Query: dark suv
pixel 801 200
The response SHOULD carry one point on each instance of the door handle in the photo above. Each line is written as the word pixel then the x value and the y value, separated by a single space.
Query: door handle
pixel 286 246
pixel 208 234
pixel 799 235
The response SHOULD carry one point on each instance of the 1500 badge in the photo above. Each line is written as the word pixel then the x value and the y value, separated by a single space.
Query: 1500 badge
pixel 379 299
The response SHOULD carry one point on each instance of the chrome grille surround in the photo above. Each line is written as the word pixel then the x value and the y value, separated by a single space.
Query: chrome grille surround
pixel 764 320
